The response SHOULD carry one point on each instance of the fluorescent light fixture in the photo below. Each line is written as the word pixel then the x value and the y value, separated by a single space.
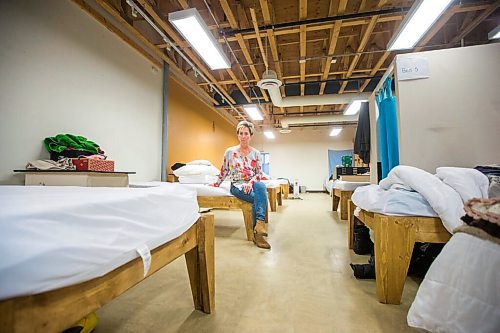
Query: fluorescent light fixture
pixel 336 131
pixel 253 112
pixel 353 108
pixel 494 34
pixel 269 134
pixel 192 27
pixel 422 15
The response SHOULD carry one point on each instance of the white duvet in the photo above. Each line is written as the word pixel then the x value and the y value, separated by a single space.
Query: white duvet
pixel 445 192
pixel 461 290
pixel 52 237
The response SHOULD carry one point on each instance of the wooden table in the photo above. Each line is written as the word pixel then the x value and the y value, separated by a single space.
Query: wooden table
pixel 75 178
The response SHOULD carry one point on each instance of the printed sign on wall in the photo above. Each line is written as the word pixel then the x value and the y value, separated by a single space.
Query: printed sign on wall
pixel 412 68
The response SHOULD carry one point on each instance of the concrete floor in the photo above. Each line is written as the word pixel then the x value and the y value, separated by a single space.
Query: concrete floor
pixel 303 284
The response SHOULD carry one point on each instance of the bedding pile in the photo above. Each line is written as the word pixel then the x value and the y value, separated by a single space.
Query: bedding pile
pixel 417 192
pixel 197 172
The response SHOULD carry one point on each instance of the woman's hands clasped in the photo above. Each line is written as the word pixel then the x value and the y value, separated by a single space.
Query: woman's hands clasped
pixel 247 188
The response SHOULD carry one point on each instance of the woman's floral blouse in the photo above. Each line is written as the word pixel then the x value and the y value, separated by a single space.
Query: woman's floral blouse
pixel 240 169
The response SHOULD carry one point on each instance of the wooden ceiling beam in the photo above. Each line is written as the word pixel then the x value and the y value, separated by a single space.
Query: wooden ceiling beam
pixel 318 27
pixel 434 30
pixel 183 3
pixel 375 69
pixel 234 25
pixel 334 36
pixel 303 46
pixel 472 25
pixel 264 6
pixel 173 35
pixel 361 47
pixel 259 39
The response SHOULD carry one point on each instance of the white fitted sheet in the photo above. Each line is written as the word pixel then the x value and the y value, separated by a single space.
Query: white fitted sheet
pixel 347 186
pixel 52 237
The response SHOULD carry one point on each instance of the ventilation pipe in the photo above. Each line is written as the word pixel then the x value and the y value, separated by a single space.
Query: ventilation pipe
pixel 286 121
pixel 271 84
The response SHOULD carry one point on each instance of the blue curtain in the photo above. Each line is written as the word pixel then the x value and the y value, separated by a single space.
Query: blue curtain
pixel 387 129
pixel 335 158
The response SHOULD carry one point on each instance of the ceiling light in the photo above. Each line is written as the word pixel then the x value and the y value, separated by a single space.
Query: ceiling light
pixel 353 108
pixel 334 61
pixel 336 131
pixel 417 22
pixel 253 112
pixel 192 27
pixel 285 131
pixel 269 134
pixel 302 61
pixel 494 34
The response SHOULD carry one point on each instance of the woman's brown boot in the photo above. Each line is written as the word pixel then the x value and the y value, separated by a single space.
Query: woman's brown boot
pixel 260 241
pixel 260 228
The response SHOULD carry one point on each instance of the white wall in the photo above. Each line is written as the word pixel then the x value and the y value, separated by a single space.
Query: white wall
pixel 303 154
pixel 453 117
pixel 63 72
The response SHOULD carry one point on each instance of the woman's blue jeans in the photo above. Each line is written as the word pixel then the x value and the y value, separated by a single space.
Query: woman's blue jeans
pixel 258 199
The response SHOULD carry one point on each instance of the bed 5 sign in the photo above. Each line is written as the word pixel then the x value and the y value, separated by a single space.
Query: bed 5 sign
pixel 412 68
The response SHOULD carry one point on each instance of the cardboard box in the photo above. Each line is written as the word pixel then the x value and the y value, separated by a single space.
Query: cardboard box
pixel 87 164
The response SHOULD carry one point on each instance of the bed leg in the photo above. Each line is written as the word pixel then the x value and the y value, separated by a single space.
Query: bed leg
pixel 344 196
pixel 246 208
pixel 394 241
pixel 271 193
pixel 286 190
pixel 278 196
pixel 200 265
pixel 350 225
pixel 335 201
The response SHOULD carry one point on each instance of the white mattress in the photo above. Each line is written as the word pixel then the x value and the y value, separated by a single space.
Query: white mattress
pixel 204 190
pixel 461 291
pixel 52 237
pixel 391 202
pixel 347 186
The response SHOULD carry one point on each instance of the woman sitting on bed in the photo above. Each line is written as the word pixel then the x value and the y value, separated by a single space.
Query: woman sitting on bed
pixel 242 164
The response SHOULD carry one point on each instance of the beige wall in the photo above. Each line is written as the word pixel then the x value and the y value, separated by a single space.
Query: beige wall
pixel 303 154
pixel 63 72
pixel 453 117
pixel 195 131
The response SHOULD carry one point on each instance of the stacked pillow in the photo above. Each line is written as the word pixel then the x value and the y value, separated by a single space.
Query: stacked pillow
pixel 197 172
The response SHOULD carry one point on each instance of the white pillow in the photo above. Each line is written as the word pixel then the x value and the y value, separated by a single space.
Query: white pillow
pixel 192 170
pixel 199 162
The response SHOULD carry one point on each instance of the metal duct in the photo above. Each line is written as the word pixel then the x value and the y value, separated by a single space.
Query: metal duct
pixel 286 121
pixel 311 100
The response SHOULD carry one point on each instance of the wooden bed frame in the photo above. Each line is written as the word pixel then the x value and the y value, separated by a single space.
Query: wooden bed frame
pixel 343 197
pixel 274 195
pixel 285 190
pixel 227 202
pixel 57 310
pixel 395 237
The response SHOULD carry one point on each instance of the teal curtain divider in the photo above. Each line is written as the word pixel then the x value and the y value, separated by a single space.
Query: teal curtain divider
pixel 387 129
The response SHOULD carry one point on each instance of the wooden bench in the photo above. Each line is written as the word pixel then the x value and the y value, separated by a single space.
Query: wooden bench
pixel 56 310
pixel 395 237
pixel 342 197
